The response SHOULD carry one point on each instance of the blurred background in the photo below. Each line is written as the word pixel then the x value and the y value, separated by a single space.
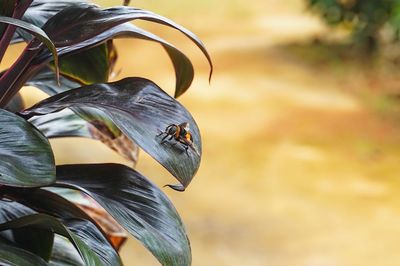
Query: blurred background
pixel 300 130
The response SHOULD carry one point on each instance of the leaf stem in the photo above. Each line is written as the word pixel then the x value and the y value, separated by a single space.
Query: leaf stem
pixel 19 11
pixel 10 78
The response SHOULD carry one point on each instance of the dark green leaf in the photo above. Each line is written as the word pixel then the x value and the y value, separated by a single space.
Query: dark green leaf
pixel 16 104
pixel 14 256
pixel 26 156
pixel 25 238
pixel 64 253
pixel 74 219
pixel 141 110
pixel 92 237
pixel 43 221
pixel 137 204
pixel 29 239
pixel 80 66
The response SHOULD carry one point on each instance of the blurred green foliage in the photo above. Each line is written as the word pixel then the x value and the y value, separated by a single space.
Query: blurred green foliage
pixel 365 18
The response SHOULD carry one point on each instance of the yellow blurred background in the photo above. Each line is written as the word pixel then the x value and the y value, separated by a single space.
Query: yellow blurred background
pixel 301 152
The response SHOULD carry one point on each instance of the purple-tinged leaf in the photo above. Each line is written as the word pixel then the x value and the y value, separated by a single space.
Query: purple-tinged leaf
pixel 134 202
pixel 80 23
pixel 142 111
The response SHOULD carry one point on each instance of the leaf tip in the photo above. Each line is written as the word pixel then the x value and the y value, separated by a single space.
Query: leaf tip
pixel 177 187
pixel 210 75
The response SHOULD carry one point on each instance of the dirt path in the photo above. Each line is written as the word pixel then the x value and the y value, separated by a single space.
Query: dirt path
pixel 296 170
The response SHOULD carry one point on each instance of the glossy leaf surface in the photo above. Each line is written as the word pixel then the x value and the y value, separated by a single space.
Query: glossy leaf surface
pixel 73 218
pixel 64 253
pixel 14 256
pixel 141 110
pixel 42 221
pixel 138 205
pixel 89 25
pixel 116 234
pixel 25 238
pixel 26 156
pixel 10 210
pixel 81 122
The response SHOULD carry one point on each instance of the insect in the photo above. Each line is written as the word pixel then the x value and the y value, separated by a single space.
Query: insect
pixel 181 134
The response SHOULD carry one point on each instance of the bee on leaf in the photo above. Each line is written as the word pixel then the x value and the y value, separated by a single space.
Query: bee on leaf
pixel 181 134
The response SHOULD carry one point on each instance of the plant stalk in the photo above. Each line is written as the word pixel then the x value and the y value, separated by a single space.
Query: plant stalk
pixel 12 75
pixel 19 11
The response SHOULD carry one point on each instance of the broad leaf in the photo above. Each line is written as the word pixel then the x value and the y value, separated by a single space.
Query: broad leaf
pixel 73 218
pixel 62 124
pixel 25 238
pixel 141 110
pixel 83 122
pixel 137 204
pixel 43 221
pixel 14 256
pixel 68 124
pixel 26 156
pixel 113 230
pixel 64 253
pixel 91 236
